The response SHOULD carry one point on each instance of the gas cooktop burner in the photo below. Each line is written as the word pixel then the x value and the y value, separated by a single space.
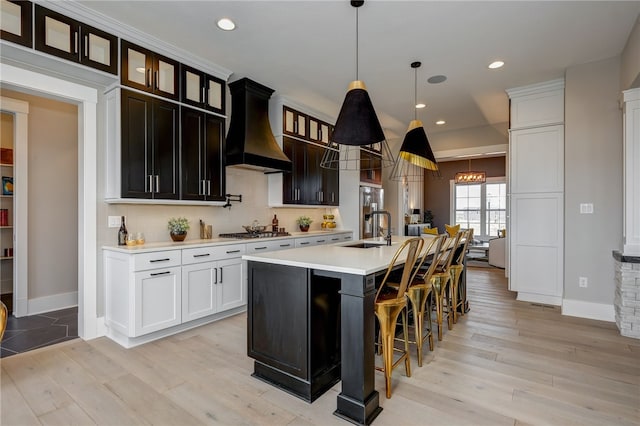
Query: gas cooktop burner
pixel 247 235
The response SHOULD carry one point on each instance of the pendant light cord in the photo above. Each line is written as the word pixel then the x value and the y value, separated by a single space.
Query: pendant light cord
pixel 415 94
pixel 357 44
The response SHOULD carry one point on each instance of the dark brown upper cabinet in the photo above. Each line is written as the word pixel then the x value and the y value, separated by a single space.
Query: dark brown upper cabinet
pixel 294 123
pixel 149 147
pixel 202 156
pixel 202 90
pixel 66 38
pixel 145 70
pixel 15 25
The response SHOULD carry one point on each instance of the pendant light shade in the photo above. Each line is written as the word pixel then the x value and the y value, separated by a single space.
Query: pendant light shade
pixel 415 153
pixel 357 126
pixel 357 123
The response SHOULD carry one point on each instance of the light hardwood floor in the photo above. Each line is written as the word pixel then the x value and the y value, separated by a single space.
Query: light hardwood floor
pixel 504 363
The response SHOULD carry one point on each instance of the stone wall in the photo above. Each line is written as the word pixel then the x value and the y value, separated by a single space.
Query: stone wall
pixel 627 298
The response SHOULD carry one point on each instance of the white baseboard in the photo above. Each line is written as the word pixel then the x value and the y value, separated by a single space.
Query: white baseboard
pixel 55 302
pixel 582 309
pixel 539 298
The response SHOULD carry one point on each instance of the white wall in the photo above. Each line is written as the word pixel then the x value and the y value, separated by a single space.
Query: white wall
pixel 593 174
pixel 630 69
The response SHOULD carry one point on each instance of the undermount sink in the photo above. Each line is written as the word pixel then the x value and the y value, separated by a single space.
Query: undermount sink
pixel 365 245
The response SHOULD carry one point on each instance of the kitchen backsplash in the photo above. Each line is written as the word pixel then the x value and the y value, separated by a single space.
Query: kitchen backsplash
pixel 152 219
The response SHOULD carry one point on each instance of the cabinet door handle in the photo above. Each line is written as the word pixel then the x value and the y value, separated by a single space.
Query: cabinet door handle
pixel 221 277
pixel 157 183
pixel 148 77
pixel 149 185
pixel 233 251
pixel 216 281
pixel 166 259
pixel 75 42
pixel 86 46
pixel 203 100
pixel 154 274
pixel 335 239
pixel 295 126
pixel 260 248
pixel 201 189
pixel 202 255
pixel 208 187
pixel 285 245
pixel 320 241
pixel 304 243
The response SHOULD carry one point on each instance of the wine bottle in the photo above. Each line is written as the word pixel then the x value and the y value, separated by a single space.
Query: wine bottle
pixel 122 233
pixel 274 224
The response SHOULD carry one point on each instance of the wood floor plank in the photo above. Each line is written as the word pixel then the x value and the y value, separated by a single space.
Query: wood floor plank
pixel 40 392
pixel 504 363
pixel 69 415
pixel 151 405
pixel 14 409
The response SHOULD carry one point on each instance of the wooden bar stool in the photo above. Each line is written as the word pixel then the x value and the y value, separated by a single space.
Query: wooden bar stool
pixel 440 281
pixel 389 304
pixel 4 314
pixel 456 271
pixel 419 294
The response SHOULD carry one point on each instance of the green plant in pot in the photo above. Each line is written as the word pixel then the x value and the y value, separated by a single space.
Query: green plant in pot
pixel 178 227
pixel 304 222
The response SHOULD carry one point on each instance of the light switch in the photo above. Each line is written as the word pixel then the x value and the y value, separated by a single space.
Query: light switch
pixel 114 221
pixel 586 208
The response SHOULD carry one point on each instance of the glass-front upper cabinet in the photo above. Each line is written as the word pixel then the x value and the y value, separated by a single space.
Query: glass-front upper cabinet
pixel 69 39
pixel 15 22
pixel 295 123
pixel 145 70
pixel 202 90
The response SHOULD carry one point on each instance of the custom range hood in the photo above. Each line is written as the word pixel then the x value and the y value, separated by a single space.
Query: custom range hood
pixel 250 141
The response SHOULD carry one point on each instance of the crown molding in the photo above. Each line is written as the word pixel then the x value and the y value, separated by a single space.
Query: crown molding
pixel 537 88
pixel 80 12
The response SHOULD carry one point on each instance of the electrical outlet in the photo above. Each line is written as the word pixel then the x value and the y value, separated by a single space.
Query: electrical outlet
pixel 586 208
pixel 583 282
pixel 114 222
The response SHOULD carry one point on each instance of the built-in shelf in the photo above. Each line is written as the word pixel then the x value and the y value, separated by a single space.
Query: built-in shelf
pixel 6 258
pixel 6 196
pixel 6 165
pixel 6 227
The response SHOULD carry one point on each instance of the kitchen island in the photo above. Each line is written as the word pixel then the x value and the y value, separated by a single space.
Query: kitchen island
pixel 311 321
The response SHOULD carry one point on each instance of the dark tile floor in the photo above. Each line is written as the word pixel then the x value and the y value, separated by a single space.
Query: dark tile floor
pixel 35 331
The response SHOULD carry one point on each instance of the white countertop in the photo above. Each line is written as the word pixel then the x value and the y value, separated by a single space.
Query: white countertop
pixel 195 243
pixel 337 257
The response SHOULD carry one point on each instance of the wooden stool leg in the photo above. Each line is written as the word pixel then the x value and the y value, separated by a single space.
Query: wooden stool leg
pixel 430 323
pixel 407 358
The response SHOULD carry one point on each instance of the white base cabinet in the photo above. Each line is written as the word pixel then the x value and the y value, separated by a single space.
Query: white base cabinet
pixel 158 295
pixel 161 291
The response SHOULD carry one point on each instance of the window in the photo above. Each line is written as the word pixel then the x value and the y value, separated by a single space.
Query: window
pixel 482 207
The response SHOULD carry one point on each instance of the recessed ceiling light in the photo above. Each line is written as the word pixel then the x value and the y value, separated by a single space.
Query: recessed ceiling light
pixel 496 64
pixel 226 24
pixel 440 122
pixel 419 106
pixel 437 79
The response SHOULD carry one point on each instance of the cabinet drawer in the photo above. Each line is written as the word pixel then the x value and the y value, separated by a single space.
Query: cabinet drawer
pixel 206 254
pixel 312 241
pixel 264 246
pixel 159 259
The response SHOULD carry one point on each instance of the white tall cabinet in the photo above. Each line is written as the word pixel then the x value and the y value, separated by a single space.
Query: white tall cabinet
pixel 536 192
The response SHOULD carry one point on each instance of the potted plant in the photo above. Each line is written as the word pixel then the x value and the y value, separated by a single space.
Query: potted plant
pixel 304 222
pixel 178 227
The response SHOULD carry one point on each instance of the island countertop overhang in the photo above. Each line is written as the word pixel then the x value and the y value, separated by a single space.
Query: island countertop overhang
pixel 337 257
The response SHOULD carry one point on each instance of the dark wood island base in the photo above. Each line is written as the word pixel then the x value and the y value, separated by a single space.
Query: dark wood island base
pixel 307 329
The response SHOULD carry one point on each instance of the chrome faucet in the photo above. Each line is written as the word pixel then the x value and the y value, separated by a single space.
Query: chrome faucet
pixel 386 213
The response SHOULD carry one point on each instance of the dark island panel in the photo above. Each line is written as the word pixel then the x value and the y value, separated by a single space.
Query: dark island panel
pixel 293 330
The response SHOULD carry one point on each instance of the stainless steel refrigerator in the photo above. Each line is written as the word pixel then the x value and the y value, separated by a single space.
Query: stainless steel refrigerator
pixel 371 199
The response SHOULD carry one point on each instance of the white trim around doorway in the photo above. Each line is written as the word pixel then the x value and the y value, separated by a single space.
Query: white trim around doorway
pixel 86 98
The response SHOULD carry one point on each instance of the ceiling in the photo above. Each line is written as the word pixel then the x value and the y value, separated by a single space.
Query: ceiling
pixel 306 50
